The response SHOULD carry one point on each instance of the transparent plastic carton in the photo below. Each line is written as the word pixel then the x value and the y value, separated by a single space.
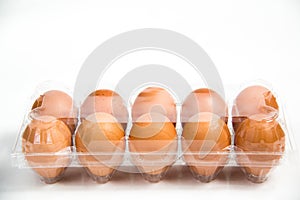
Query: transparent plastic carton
pixel 153 132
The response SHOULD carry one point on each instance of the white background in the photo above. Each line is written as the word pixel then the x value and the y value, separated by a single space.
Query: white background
pixel 246 40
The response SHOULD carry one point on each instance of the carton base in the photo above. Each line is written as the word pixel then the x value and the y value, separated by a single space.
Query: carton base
pixel 254 178
pixel 53 180
pixel 156 177
pixel 204 178
pixel 100 179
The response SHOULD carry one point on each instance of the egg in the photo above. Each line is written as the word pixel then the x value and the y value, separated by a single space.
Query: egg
pixel 252 100
pixel 153 145
pixel 57 104
pixel 205 145
pixel 100 137
pixel 47 135
pixel 106 101
pixel 259 138
pixel 260 143
pixel 203 100
pixel 102 113
pixel 157 100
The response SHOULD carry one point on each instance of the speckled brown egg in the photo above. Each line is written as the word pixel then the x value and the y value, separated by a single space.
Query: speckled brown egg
pixel 47 135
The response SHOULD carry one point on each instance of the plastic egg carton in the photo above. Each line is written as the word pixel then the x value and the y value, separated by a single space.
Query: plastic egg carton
pixel 232 140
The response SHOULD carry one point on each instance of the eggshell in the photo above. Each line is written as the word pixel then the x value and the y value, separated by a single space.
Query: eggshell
pixel 205 143
pixel 45 134
pixel 253 100
pixel 260 143
pixel 57 104
pixel 156 100
pixel 101 137
pixel 105 101
pixel 153 145
pixel 203 100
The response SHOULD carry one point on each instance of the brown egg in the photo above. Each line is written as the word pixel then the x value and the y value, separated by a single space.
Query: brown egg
pixel 100 137
pixel 203 100
pixel 205 143
pixel 46 134
pixel 253 100
pixel 105 101
pixel 260 143
pixel 156 100
pixel 57 104
pixel 153 145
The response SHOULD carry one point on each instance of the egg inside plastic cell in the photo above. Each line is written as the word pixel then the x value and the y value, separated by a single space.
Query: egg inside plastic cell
pixel 253 100
pixel 153 145
pixel 259 137
pixel 59 105
pixel 43 137
pixel 205 142
pixel 154 100
pixel 100 136
pixel 106 101
pixel 153 137
pixel 100 139
pixel 203 100
pixel 260 144
pixel 206 137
